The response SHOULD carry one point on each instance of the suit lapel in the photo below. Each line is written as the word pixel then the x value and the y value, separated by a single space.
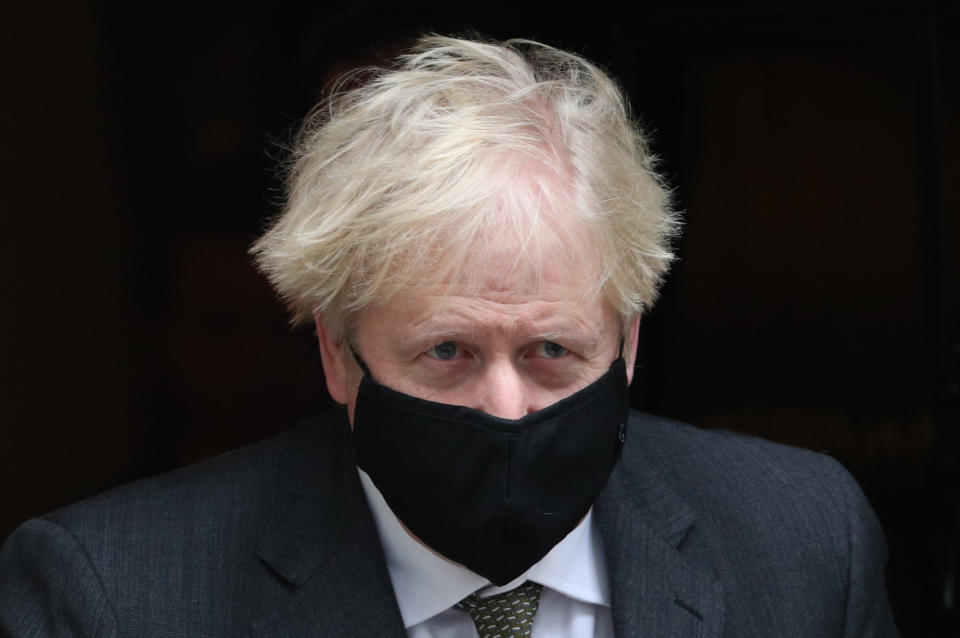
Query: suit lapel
pixel 322 541
pixel 655 591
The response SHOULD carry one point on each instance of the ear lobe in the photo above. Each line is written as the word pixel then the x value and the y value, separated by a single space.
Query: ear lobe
pixel 331 356
pixel 630 354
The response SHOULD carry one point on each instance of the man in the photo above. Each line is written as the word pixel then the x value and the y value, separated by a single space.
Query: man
pixel 474 234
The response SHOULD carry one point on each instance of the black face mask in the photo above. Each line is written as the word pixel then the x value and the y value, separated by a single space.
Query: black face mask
pixel 492 494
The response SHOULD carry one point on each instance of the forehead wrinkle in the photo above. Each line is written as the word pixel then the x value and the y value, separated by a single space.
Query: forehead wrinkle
pixel 541 320
pixel 471 316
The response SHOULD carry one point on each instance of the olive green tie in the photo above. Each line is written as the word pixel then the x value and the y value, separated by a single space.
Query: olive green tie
pixel 506 615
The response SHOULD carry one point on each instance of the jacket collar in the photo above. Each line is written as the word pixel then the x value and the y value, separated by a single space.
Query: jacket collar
pixel 322 541
pixel 655 589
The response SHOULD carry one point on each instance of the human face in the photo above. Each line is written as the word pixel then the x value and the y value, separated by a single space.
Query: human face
pixel 502 342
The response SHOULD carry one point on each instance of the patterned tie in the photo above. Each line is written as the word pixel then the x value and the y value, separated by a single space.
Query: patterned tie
pixel 506 615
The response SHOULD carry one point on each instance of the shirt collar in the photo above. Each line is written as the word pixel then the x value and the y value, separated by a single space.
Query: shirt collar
pixel 426 584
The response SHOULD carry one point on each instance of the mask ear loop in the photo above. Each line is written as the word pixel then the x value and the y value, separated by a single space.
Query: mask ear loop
pixel 360 362
pixel 622 430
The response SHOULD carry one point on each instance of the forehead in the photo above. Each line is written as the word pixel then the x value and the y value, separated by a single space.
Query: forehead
pixel 528 255
pixel 499 290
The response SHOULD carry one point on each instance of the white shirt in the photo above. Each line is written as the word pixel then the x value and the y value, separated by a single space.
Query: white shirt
pixel 574 603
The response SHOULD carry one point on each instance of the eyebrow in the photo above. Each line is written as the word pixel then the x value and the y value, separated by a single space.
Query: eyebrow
pixel 565 331
pixel 587 339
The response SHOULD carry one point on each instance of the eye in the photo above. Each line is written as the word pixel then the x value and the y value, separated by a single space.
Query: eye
pixel 551 350
pixel 444 351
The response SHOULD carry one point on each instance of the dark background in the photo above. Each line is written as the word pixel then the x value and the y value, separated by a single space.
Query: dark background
pixel 814 147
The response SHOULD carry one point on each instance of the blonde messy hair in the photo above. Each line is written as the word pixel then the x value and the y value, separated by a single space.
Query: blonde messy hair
pixel 465 144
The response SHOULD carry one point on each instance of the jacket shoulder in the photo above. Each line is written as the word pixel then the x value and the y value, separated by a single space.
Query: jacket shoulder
pixel 698 458
pixel 206 490
pixel 132 552
pixel 774 524
pixel 748 487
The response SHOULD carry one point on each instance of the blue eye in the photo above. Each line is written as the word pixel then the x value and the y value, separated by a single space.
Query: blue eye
pixel 444 351
pixel 551 350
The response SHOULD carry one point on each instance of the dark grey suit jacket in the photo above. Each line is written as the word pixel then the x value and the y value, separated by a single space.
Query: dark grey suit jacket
pixel 705 534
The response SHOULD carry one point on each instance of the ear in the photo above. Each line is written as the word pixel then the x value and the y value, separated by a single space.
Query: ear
pixel 334 366
pixel 630 356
